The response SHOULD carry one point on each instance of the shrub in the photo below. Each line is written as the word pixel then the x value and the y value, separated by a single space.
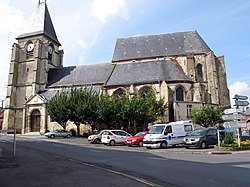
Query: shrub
pixel 73 132
pixel 85 135
pixel 228 139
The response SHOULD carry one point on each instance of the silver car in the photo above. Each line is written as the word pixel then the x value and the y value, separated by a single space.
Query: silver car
pixel 112 137
pixel 58 133
pixel 96 138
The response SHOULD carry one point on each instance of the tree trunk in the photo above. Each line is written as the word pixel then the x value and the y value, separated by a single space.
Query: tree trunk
pixel 78 129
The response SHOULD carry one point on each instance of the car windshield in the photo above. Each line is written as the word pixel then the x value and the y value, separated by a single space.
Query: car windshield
pixel 199 132
pixel 245 133
pixel 157 129
pixel 140 134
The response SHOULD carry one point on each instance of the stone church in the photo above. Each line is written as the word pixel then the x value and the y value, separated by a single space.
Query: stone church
pixel 179 67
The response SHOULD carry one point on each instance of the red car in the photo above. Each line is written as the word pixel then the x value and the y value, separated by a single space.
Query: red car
pixel 136 139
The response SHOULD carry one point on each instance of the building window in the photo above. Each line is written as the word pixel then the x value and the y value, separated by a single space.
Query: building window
pixel 145 91
pixel 199 72
pixel 120 92
pixel 189 110
pixel 50 52
pixel 179 94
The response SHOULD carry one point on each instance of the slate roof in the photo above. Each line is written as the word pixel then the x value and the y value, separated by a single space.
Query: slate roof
pixel 146 72
pixel 79 75
pixel 162 45
pixel 48 94
pixel 40 23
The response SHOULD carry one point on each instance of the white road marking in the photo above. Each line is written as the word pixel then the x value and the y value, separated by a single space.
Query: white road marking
pixel 95 151
pixel 157 158
pixel 242 166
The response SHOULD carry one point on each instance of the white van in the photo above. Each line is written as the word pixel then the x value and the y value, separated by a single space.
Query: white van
pixel 163 134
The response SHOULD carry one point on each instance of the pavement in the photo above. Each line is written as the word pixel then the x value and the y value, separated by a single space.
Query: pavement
pixel 34 168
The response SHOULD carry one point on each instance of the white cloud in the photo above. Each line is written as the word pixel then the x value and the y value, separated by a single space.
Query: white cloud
pixel 240 88
pixel 103 9
pixel 81 43
pixel 11 19
pixel 12 23
pixel 77 18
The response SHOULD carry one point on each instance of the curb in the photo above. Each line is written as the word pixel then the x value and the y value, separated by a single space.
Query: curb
pixel 220 152
pixel 1 153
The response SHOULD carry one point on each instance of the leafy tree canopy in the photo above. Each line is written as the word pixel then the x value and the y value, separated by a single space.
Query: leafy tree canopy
pixel 208 115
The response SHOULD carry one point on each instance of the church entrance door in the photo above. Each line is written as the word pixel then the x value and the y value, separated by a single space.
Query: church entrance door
pixel 35 121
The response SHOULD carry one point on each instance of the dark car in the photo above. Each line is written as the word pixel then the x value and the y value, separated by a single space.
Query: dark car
pixel 245 135
pixel 201 138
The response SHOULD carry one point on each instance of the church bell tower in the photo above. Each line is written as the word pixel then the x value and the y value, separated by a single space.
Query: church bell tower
pixel 36 51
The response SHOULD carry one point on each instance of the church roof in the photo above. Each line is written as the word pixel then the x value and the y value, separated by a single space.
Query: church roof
pixel 40 23
pixel 92 74
pixel 146 72
pixel 49 93
pixel 162 45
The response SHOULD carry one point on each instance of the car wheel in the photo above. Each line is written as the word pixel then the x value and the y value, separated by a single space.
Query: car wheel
pixel 203 145
pixel 52 136
pixel 97 141
pixel 148 147
pixel 187 147
pixel 163 145
pixel 112 142
pixel 140 144
pixel 68 136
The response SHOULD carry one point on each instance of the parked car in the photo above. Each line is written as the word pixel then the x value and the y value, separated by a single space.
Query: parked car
pixel 58 133
pixel 136 139
pixel 245 135
pixel 112 137
pixel 96 138
pixel 201 138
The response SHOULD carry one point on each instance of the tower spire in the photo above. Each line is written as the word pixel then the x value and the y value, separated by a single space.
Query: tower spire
pixel 40 23
pixel 41 1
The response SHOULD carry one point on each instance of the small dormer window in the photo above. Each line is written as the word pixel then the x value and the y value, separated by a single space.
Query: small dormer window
pixel 30 50
pixel 50 52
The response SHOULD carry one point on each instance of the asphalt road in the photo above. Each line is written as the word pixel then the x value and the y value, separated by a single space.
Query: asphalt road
pixel 169 167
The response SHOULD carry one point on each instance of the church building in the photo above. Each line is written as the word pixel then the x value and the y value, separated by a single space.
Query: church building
pixel 179 67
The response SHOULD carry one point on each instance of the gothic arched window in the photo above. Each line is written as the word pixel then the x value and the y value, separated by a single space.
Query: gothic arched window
pixel 199 72
pixel 179 94
pixel 119 92
pixel 145 91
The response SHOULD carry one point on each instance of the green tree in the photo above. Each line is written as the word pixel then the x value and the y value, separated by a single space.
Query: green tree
pixel 208 115
pixel 147 109
pixel 58 108
pixel 83 107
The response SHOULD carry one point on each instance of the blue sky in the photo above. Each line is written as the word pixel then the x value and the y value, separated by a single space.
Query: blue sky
pixel 88 29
